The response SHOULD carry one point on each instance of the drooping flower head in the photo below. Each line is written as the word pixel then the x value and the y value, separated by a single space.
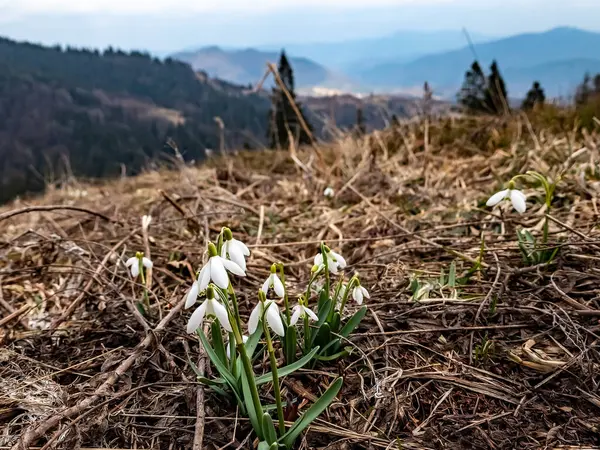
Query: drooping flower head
pixel 216 270
pixel 273 281
pixel 134 264
pixel 300 311
pixel 233 249
pixel 268 310
pixel 516 197
pixel 359 293
pixel 329 192
pixel 335 261
pixel 210 306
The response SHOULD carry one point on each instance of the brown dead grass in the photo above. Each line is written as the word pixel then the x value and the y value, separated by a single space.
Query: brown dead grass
pixel 408 203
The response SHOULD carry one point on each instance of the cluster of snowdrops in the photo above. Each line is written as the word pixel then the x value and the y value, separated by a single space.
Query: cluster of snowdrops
pixel 306 334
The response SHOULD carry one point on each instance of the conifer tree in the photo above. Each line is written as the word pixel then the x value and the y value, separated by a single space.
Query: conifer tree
pixel 427 97
pixel 584 91
pixel 283 118
pixel 535 96
pixel 472 93
pixel 360 128
pixel 496 99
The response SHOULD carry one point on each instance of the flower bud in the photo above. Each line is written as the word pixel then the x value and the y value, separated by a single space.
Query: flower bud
pixel 212 250
pixel 227 234
pixel 273 268
pixel 210 292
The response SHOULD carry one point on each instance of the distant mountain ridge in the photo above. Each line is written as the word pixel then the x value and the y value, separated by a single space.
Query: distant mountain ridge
pixel 522 58
pixel 247 66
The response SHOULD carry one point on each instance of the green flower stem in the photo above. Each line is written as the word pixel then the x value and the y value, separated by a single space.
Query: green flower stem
pixel 276 387
pixel 143 278
pixel 351 285
pixel 285 294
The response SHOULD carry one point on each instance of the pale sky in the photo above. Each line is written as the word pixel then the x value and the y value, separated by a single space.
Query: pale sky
pixel 172 25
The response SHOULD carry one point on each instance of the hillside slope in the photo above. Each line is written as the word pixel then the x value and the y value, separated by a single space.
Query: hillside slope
pixel 96 114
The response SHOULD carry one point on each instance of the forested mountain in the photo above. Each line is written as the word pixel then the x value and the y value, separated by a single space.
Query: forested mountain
pixel 95 114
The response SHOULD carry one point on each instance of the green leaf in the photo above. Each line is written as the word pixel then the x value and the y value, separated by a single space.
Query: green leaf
pixel 269 429
pixel 286 370
pixel 335 322
pixel 290 344
pixel 353 322
pixel 312 413
pixel 253 341
pixel 263 446
pixel 253 415
pixel 335 356
pixel 221 368
pixel 452 275
pixel 323 335
pixel 217 341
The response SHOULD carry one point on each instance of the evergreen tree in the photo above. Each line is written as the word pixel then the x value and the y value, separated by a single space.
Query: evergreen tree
pixel 360 128
pixel 473 91
pixel 283 118
pixel 535 96
pixel 495 94
pixel 427 96
pixel 584 91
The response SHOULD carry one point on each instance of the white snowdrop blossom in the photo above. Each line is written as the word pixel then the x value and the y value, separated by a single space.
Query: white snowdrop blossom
pixel 146 222
pixel 273 281
pixel 228 349
pixel 300 311
pixel 236 250
pixel 192 295
pixel 209 306
pixel 216 270
pixel 359 293
pixel 329 192
pixel 335 261
pixel 272 317
pixel 517 198
pixel 134 264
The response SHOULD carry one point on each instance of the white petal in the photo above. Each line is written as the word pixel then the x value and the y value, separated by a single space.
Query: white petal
pixel 135 270
pixel 192 295
pixel 357 295
pixel 130 261
pixel 518 200
pixel 265 286
pixel 218 272
pixel 221 312
pixel 228 351
pixel 278 286
pixel 497 198
pixel 236 255
pixel 254 318
pixel 232 267
pixel 365 292
pixel 274 319
pixel 197 318
pixel 296 315
pixel 147 263
pixel 243 247
pixel 332 265
pixel 318 259
pixel 204 277
pixel 311 314
pixel 341 262
pixel 224 249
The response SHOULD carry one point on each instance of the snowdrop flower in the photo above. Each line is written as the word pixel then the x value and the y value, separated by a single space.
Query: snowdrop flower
pixel 274 282
pixel 301 311
pixel 359 293
pixel 272 317
pixel 516 197
pixel 335 261
pixel 236 250
pixel 192 295
pixel 328 192
pixel 146 222
pixel 228 350
pixel 134 264
pixel 216 270
pixel 209 306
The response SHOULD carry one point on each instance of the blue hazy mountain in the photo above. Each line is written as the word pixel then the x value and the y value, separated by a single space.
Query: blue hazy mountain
pixel 558 58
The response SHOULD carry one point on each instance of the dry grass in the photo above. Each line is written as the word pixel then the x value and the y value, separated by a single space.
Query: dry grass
pixel 81 369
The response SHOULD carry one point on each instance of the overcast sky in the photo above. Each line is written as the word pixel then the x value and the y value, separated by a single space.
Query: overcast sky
pixel 169 25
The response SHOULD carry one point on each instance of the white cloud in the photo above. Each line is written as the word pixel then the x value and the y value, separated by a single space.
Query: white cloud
pixel 157 6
